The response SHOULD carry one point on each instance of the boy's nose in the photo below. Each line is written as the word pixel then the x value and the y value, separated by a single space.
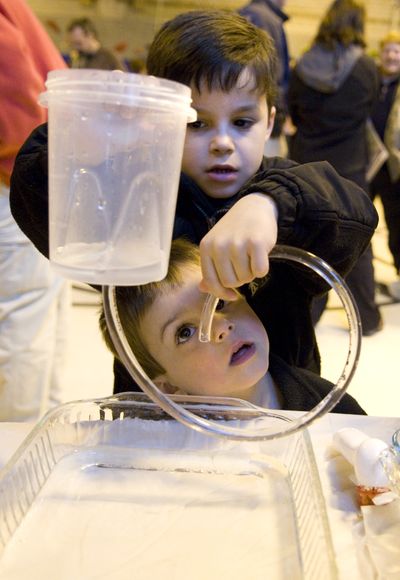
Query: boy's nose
pixel 221 328
pixel 221 142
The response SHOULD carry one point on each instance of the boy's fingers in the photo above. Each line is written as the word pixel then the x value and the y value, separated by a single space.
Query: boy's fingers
pixel 218 282
pixel 241 269
pixel 224 293
pixel 259 263
pixel 232 274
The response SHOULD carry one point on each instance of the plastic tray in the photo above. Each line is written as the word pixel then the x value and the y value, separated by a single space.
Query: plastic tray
pixel 115 489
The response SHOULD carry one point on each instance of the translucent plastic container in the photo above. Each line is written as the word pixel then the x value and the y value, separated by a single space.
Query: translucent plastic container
pixel 390 459
pixel 115 151
pixel 117 489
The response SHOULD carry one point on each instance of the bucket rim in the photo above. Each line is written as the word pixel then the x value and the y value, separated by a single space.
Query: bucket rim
pixel 123 80
pixel 177 106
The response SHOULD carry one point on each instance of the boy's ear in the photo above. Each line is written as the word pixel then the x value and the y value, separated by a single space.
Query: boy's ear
pixel 271 121
pixel 165 387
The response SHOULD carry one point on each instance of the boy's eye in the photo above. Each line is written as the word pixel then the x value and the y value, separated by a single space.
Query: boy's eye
pixel 199 124
pixel 184 333
pixel 243 123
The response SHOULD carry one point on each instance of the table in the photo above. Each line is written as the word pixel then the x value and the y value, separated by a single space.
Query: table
pixel 334 471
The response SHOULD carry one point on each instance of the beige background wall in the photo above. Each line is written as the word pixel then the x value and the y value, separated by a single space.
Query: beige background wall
pixel 135 21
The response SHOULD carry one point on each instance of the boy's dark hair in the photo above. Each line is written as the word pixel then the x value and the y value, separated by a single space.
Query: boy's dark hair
pixel 343 23
pixel 213 48
pixel 86 24
pixel 134 301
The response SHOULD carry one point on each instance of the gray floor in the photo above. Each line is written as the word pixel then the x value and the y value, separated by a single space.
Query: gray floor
pixel 376 384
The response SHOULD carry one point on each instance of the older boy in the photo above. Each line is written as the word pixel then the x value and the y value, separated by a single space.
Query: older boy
pixel 231 199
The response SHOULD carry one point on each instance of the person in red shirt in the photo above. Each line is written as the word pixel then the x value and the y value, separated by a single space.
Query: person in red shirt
pixel 33 299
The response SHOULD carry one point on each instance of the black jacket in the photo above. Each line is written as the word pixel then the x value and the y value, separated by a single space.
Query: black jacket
pixel 267 15
pixel 302 390
pixel 331 95
pixel 319 211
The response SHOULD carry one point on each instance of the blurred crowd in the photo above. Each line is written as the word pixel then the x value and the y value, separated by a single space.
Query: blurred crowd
pixel 335 103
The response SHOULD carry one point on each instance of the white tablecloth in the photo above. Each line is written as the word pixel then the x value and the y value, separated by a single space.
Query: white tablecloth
pixel 335 472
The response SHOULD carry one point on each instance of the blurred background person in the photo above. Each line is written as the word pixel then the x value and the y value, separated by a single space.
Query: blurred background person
pixel 34 300
pixel 87 51
pixel 332 91
pixel 269 16
pixel 386 120
pixel 136 65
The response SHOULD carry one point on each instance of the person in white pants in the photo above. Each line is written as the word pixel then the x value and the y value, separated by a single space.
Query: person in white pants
pixel 34 305
pixel 33 299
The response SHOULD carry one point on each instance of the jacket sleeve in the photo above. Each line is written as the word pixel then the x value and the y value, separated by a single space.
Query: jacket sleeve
pixel 29 189
pixel 319 211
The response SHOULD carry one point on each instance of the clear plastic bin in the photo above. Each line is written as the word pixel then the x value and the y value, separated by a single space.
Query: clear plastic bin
pixel 115 488
pixel 115 152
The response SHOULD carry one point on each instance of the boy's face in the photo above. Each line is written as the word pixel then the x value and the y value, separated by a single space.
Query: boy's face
pixel 390 58
pixel 230 365
pixel 225 146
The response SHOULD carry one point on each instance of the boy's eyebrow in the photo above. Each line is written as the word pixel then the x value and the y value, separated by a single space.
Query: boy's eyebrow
pixel 242 109
pixel 169 321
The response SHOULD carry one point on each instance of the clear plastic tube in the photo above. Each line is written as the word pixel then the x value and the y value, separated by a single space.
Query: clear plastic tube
pixel 222 429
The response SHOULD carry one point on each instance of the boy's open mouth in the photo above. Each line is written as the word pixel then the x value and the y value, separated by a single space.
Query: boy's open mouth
pixel 223 174
pixel 243 353
pixel 222 170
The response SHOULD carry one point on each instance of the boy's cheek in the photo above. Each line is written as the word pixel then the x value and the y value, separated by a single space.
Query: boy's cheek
pixel 188 160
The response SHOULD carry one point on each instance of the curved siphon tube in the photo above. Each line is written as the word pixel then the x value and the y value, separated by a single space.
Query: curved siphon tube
pixel 223 430
pixel 207 315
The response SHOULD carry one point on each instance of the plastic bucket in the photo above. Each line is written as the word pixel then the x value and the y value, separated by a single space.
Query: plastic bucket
pixel 115 151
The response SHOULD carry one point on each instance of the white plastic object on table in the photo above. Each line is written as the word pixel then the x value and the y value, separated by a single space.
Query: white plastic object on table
pixel 363 453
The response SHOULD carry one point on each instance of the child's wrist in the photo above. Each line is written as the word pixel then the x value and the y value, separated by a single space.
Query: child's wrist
pixel 267 201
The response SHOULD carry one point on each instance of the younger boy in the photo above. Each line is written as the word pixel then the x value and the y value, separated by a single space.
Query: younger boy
pixel 161 323
pixel 232 201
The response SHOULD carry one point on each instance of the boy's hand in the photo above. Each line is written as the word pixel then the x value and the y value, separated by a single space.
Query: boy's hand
pixel 236 249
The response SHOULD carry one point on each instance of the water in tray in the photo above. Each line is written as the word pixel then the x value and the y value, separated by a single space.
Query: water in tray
pixel 105 513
